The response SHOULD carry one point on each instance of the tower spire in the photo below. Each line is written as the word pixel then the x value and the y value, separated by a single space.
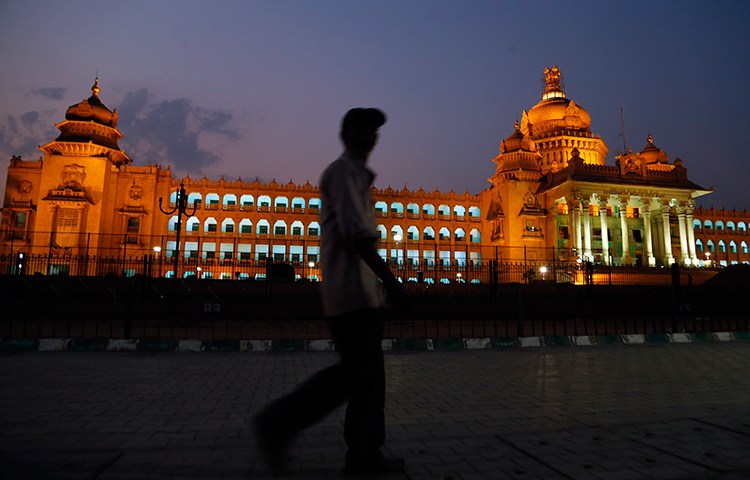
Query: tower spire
pixel 95 87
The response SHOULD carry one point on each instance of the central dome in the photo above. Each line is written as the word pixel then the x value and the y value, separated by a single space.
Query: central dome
pixel 555 111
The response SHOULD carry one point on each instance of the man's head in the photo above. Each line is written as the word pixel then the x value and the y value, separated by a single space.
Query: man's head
pixel 359 129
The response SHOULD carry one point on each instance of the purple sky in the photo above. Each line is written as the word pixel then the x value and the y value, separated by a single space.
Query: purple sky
pixel 248 88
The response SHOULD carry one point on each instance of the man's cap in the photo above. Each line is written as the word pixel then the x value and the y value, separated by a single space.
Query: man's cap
pixel 363 117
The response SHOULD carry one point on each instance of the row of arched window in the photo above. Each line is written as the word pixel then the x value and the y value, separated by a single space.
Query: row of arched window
pixel 300 204
pixel 312 229
pixel 719 225
pixel 250 201
pixel 428 234
pixel 413 210
pixel 246 227
pixel 720 246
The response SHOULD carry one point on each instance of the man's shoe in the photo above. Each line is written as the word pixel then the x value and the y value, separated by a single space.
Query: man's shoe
pixel 272 446
pixel 378 464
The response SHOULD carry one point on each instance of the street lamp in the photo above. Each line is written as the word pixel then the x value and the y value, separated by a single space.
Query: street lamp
pixel 181 208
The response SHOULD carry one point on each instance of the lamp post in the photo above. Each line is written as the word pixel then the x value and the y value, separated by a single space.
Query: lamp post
pixel 180 208
pixel 157 250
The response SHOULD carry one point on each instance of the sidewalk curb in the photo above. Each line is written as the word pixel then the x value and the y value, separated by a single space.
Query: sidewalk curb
pixel 327 345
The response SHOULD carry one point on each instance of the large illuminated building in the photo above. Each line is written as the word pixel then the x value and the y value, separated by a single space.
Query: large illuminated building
pixel 552 198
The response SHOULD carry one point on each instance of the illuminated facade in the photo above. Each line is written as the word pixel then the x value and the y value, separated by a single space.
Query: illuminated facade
pixel 552 196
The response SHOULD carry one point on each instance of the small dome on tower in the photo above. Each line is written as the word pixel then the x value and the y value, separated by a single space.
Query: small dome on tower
pixel 517 141
pixel 92 109
pixel 652 153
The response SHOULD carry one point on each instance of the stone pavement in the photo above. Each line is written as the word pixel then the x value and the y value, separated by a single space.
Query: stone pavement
pixel 669 411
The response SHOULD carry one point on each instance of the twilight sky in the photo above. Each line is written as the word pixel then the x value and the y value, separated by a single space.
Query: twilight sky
pixel 257 88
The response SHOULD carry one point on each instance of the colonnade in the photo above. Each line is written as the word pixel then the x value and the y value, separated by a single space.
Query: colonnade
pixel 653 218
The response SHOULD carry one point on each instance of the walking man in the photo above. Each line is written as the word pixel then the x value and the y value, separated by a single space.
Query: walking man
pixel 354 277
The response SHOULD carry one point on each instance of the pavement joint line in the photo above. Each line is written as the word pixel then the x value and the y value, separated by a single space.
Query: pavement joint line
pixel 327 345
pixel 721 427
pixel 673 454
pixel 533 457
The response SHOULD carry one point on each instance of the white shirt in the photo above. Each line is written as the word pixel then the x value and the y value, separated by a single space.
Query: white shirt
pixel 347 215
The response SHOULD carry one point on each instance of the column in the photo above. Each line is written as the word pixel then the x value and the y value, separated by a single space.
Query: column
pixel 578 232
pixel 648 236
pixel 668 258
pixel 626 260
pixel 587 232
pixel 691 233
pixel 605 234
pixel 683 236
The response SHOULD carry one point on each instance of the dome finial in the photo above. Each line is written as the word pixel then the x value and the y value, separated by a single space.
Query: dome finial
pixel 95 87
pixel 553 83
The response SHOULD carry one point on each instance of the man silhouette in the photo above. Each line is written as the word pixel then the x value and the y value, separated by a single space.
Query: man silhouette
pixel 354 276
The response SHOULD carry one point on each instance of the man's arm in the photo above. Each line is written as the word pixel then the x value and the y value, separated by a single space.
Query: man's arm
pixel 395 291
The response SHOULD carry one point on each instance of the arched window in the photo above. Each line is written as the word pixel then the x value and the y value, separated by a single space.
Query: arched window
pixel 172 225
pixel 193 225
pixel 474 212
pixel 212 199
pixel 280 204
pixel 697 224
pixel 732 247
pixel 263 228
pixel 397 230
pixel 397 208
pixel 428 210
pixel 297 228
pixel 193 197
pixel 730 227
pixel 719 226
pixel 412 210
pixel 298 205
pixel 227 226
pixel 459 234
pixel 412 233
pixel 264 203
pixel 475 236
pixel 698 245
pixel 722 247
pixel 444 211
pixel 743 247
pixel 428 233
pixel 444 234
pixel 383 232
pixel 711 246
pixel 210 225
pixel 708 224
pixel 381 209
pixel 313 230
pixel 246 226
pixel 229 201
pixel 459 212
pixel 247 201
pixel 314 204
pixel 742 228
pixel 279 228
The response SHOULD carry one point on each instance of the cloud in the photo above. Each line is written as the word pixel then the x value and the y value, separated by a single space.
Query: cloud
pixel 52 93
pixel 169 131
pixel 22 134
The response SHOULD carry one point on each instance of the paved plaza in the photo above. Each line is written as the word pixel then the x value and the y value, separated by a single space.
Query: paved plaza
pixel 668 411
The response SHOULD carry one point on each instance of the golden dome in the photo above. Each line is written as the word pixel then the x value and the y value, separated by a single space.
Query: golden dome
pixel 92 109
pixel 652 153
pixel 517 141
pixel 555 111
